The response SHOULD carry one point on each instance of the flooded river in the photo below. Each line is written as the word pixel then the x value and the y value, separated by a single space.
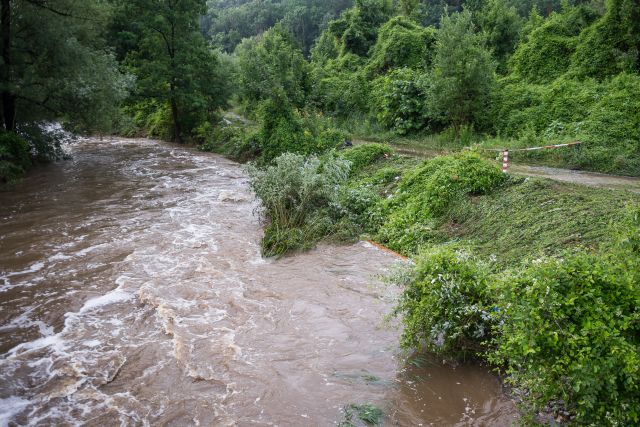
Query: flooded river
pixel 132 292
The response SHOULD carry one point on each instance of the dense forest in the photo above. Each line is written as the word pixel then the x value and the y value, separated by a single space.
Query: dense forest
pixel 455 73
pixel 539 280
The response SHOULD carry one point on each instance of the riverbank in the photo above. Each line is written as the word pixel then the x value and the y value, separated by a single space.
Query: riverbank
pixel 479 238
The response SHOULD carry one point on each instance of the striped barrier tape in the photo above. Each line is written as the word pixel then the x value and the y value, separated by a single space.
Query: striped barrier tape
pixel 505 151
pixel 545 147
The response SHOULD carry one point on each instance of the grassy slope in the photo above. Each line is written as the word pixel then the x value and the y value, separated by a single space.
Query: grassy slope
pixel 433 144
pixel 525 218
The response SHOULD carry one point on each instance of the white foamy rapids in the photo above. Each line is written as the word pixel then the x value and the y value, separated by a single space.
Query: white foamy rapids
pixel 10 407
pixel 105 334
pixel 73 365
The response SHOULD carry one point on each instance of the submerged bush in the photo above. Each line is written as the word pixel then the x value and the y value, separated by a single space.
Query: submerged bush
pixel 446 304
pixel 297 195
pixel 235 142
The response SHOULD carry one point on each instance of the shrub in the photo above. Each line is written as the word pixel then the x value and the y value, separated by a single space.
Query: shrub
pixel 151 118
pixel 363 155
pixel 613 123
pixel 297 195
pixel 399 100
pixel 15 157
pixel 546 52
pixel 463 75
pixel 609 46
pixel 285 130
pixel 571 332
pixel 327 139
pixel 340 93
pixel 280 129
pixel 235 142
pixel 271 64
pixel 402 42
pixel 426 192
pixel 604 115
pixel 446 304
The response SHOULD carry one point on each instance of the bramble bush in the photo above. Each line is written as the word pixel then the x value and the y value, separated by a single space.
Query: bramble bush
pixel 570 331
pixel 446 303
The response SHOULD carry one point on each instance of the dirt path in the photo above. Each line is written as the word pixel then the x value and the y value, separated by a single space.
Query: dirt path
pixel 591 179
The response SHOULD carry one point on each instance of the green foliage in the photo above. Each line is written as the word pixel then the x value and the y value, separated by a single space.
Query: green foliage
pixel 610 46
pixel 150 118
pixel 173 64
pixel 446 302
pixel 236 142
pixel 45 145
pixel 426 193
pixel 545 53
pixel 283 129
pixel 463 73
pixel 55 66
pixel 570 330
pixel 15 157
pixel 402 43
pixel 340 93
pixel 297 195
pixel 271 65
pixel 227 23
pixel 364 155
pixel 613 126
pixel 409 8
pixel 280 129
pixel 356 30
pixel 400 100
pixel 501 26
pixel 604 115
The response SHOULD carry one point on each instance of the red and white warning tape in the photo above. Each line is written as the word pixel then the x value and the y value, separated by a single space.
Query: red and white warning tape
pixel 505 151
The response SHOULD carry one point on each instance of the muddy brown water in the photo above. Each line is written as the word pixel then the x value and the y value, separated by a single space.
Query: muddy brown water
pixel 132 292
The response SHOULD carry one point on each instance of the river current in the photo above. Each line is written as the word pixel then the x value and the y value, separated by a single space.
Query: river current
pixel 133 292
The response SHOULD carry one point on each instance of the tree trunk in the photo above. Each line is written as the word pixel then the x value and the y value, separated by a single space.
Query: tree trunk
pixel 8 97
pixel 177 127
